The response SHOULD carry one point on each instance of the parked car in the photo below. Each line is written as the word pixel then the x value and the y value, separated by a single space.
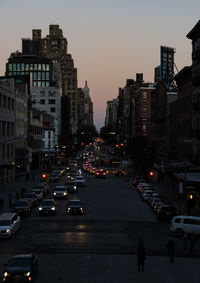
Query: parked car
pixel 47 207
pixel 31 197
pixel 9 224
pixel 74 207
pixel 21 268
pixel 39 194
pixel 22 207
pixel 60 192
pixel 166 212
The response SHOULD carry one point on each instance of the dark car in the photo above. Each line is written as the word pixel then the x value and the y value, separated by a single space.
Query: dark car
pixel 31 197
pixel 53 177
pixel 22 207
pixel 71 187
pixel 75 207
pixel 166 212
pixel 47 207
pixel 21 268
pixel 100 174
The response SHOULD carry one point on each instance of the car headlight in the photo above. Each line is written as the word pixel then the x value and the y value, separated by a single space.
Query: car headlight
pixel 54 194
pixel 40 208
pixel 53 208
pixel 81 208
pixel 75 187
pixel 64 193
pixel 68 209
pixel 6 274
pixel 8 230
pixel 27 273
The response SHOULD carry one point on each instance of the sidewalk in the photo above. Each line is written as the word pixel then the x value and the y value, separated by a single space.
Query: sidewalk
pixel 8 191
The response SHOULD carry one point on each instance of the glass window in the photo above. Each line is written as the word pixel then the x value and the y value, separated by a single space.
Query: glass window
pixel 144 95
pixel 31 67
pixel 47 76
pixel 27 67
pixel 14 67
pixel 43 84
pixel 22 66
pixel 39 76
pixel 4 101
pixel 42 101
pixel 47 84
pixel 42 93
pixel 34 83
pixel 39 84
pixel 35 67
pixel 35 76
pixel 52 109
pixel 10 67
pixel 43 67
pixel 52 101
pixel 39 67
pixel 43 76
pixel 22 73
pixel 47 67
pixel 18 66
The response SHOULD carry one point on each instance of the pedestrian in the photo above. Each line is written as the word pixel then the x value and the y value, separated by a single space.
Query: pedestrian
pixel 192 238
pixel 1 203
pixel 171 250
pixel 185 242
pixel 141 255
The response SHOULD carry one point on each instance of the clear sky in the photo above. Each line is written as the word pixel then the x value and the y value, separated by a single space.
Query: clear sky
pixel 110 40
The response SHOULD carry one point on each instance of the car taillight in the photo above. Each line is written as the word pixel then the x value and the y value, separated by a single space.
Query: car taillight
pixel 104 173
pixel 97 173
pixel 170 225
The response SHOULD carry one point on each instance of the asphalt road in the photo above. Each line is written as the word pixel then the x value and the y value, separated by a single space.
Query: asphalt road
pixel 93 246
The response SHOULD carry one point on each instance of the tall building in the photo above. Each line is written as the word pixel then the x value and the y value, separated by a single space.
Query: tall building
pixel 54 46
pixel 7 130
pixel 88 106
pixel 194 35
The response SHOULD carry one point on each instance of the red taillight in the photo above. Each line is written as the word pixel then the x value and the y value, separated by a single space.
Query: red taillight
pixel 170 225
pixel 104 173
pixel 98 173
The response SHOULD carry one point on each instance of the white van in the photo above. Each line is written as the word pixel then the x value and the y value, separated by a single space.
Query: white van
pixel 185 224
pixel 9 224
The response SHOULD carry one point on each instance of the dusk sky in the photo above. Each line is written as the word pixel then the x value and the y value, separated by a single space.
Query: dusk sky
pixel 110 40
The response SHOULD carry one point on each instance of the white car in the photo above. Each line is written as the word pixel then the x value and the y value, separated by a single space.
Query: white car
pixel 60 192
pixel 80 180
pixel 9 224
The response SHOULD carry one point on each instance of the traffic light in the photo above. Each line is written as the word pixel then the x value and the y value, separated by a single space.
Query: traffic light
pixel 44 177
pixel 151 173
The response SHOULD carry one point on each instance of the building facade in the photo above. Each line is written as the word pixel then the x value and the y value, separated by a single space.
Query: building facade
pixel 7 130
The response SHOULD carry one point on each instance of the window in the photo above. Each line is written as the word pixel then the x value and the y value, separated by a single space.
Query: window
pixel 18 66
pixel 144 95
pixel 52 109
pixel 39 67
pixel 43 84
pixel 52 93
pixel 49 144
pixel 22 66
pixel 35 67
pixel 42 101
pixel 4 129
pixel 43 76
pixel 8 129
pixel 39 75
pixel 12 104
pixel 49 134
pixel 52 101
pixel 0 99
pixel 178 220
pixel 42 93
pixel 47 67
pixel 8 151
pixel 47 76
pixel 47 84
pixel 10 67
pixel 43 67
pixel 35 76
pixel 27 67
pixel 14 67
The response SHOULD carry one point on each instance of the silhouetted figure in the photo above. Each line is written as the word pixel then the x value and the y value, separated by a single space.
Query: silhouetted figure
pixel 141 255
pixel 171 250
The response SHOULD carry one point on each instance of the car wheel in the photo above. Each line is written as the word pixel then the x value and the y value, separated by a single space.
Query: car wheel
pixel 179 232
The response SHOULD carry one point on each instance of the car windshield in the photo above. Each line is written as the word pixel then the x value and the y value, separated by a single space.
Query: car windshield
pixel 19 262
pixel 24 203
pixel 4 222
pixel 47 202
pixel 74 202
pixel 61 189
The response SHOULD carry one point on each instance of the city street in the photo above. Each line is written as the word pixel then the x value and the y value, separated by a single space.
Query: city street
pixel 101 244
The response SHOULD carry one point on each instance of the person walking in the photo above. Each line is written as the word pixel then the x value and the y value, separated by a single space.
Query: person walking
pixel 171 250
pixel 141 255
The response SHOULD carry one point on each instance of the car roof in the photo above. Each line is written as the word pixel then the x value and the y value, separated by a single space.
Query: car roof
pixel 7 215
pixel 59 187
pixel 22 256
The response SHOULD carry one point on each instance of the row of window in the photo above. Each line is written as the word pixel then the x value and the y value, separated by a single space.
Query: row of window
pixel 27 67
pixel 43 93
pixel 41 83
pixel 6 129
pixel 36 144
pixel 49 145
pixel 51 101
pixel 7 151
pixel 35 130
pixel 6 102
